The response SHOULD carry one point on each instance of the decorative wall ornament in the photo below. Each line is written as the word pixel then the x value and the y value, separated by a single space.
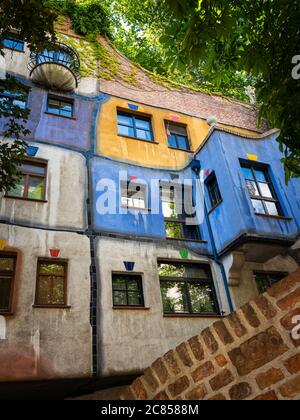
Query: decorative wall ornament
pixel 184 253
pixel 129 265
pixel 252 157
pixel 32 151
pixel 133 107
pixel 3 244
pixel 54 252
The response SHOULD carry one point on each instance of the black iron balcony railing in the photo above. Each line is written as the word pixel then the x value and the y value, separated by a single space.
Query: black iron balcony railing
pixel 57 67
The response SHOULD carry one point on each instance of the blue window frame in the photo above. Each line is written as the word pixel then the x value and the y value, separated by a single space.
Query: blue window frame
pixel 60 106
pixel 10 98
pixel 135 126
pixel 177 136
pixel 261 190
pixel 14 44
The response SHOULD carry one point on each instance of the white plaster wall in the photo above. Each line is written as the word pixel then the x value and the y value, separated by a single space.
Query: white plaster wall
pixel 17 62
pixel 61 338
pixel 131 340
pixel 66 194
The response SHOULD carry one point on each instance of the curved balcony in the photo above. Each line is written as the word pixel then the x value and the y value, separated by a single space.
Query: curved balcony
pixel 57 68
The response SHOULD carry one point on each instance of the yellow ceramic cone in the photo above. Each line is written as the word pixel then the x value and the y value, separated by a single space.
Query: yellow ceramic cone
pixel 2 244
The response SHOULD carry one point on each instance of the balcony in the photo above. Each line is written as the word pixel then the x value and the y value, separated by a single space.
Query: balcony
pixel 57 68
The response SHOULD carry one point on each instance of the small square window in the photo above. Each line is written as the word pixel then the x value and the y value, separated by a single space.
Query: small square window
pixel 177 136
pixel 51 287
pixel 135 126
pixel 213 191
pixel 134 195
pixel 60 107
pixel 127 290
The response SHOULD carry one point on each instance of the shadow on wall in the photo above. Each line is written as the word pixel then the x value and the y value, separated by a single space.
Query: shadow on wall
pixel 251 355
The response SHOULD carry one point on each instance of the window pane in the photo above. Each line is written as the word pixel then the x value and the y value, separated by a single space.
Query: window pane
pixel 134 298
pixel 177 129
pixel 265 190
pixel 125 120
pixel 143 124
pixel 182 143
pixel 174 297
pixel 5 292
pixel 58 291
pixel 260 176
pixel 19 103
pixel 195 271
pixel 66 109
pixel 19 189
pixel 36 188
pixel 248 173
pixel 173 230
pixel 144 135
pixel 276 278
pixel 171 270
pixel 262 283
pixel 14 44
pixel 7 264
pixel 202 298
pixel 34 169
pixel 126 131
pixel 252 188
pixel 119 283
pixel 258 206
pixel 52 268
pixel 272 208
pixel 190 232
pixel 120 298
pixel 133 283
pixel 172 141
pixel 44 290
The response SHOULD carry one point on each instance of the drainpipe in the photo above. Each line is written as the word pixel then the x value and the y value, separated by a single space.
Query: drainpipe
pixel 196 168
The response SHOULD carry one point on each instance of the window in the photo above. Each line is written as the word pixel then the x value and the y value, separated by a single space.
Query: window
pixel 10 98
pixel 177 136
pixel 174 213
pixel 32 183
pixel 13 44
pixel 61 107
pixel 134 195
pixel 7 277
pixel 127 290
pixel 213 191
pixel 266 280
pixel 59 56
pixel 187 289
pixel 261 190
pixel 51 288
pixel 139 127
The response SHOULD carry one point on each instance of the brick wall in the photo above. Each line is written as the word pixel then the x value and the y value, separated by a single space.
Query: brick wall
pixel 249 355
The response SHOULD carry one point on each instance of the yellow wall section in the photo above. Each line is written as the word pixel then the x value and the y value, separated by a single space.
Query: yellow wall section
pixel 157 154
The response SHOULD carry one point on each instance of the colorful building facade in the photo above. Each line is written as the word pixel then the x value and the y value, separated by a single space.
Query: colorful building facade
pixel 145 212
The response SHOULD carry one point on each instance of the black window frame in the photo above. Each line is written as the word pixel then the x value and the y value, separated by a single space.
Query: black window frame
pixel 265 170
pixel 134 117
pixel 212 185
pixel 169 125
pixel 13 38
pixel 186 281
pixel 12 275
pixel 61 100
pixel 140 291
pixel 268 283
pixel 180 220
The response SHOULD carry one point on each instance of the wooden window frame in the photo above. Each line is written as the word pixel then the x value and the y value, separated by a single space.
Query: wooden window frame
pixel 134 116
pixel 14 256
pixel 139 277
pixel 27 175
pixel 189 150
pixel 61 100
pixel 187 281
pixel 63 262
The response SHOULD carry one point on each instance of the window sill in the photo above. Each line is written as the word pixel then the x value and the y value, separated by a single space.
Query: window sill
pixel 26 199
pixel 197 241
pixel 216 316
pixel 268 216
pixel 136 138
pixel 61 116
pixel 215 207
pixel 51 307
pixel 131 308
pixel 181 150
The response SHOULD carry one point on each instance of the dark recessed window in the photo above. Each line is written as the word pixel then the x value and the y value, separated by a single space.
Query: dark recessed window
pixel 187 289
pixel 7 277
pixel 213 191
pixel 61 107
pixel 32 182
pixel 127 290
pixel 14 44
pixel 174 200
pixel 261 190
pixel 134 195
pixel 51 287
pixel 266 280
pixel 177 136
pixel 9 99
pixel 135 126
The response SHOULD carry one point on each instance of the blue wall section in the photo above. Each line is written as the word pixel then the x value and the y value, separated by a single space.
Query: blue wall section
pixel 235 216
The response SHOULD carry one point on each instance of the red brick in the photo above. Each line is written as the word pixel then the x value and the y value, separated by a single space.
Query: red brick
pixel 171 362
pixel 184 355
pixel 223 332
pixel 287 321
pixel 293 364
pixel 266 307
pixel 291 389
pixel 197 348
pixel 139 390
pixel 160 371
pixel 289 301
pixel 237 325
pixel 162 396
pixel 221 360
pixel 285 286
pixel 203 371
pixel 220 381
pixel 251 316
pixel 196 394
pixel 269 396
pixel 178 387
pixel 271 377
pixel 240 391
pixel 218 397
pixel 151 380
pixel 210 341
